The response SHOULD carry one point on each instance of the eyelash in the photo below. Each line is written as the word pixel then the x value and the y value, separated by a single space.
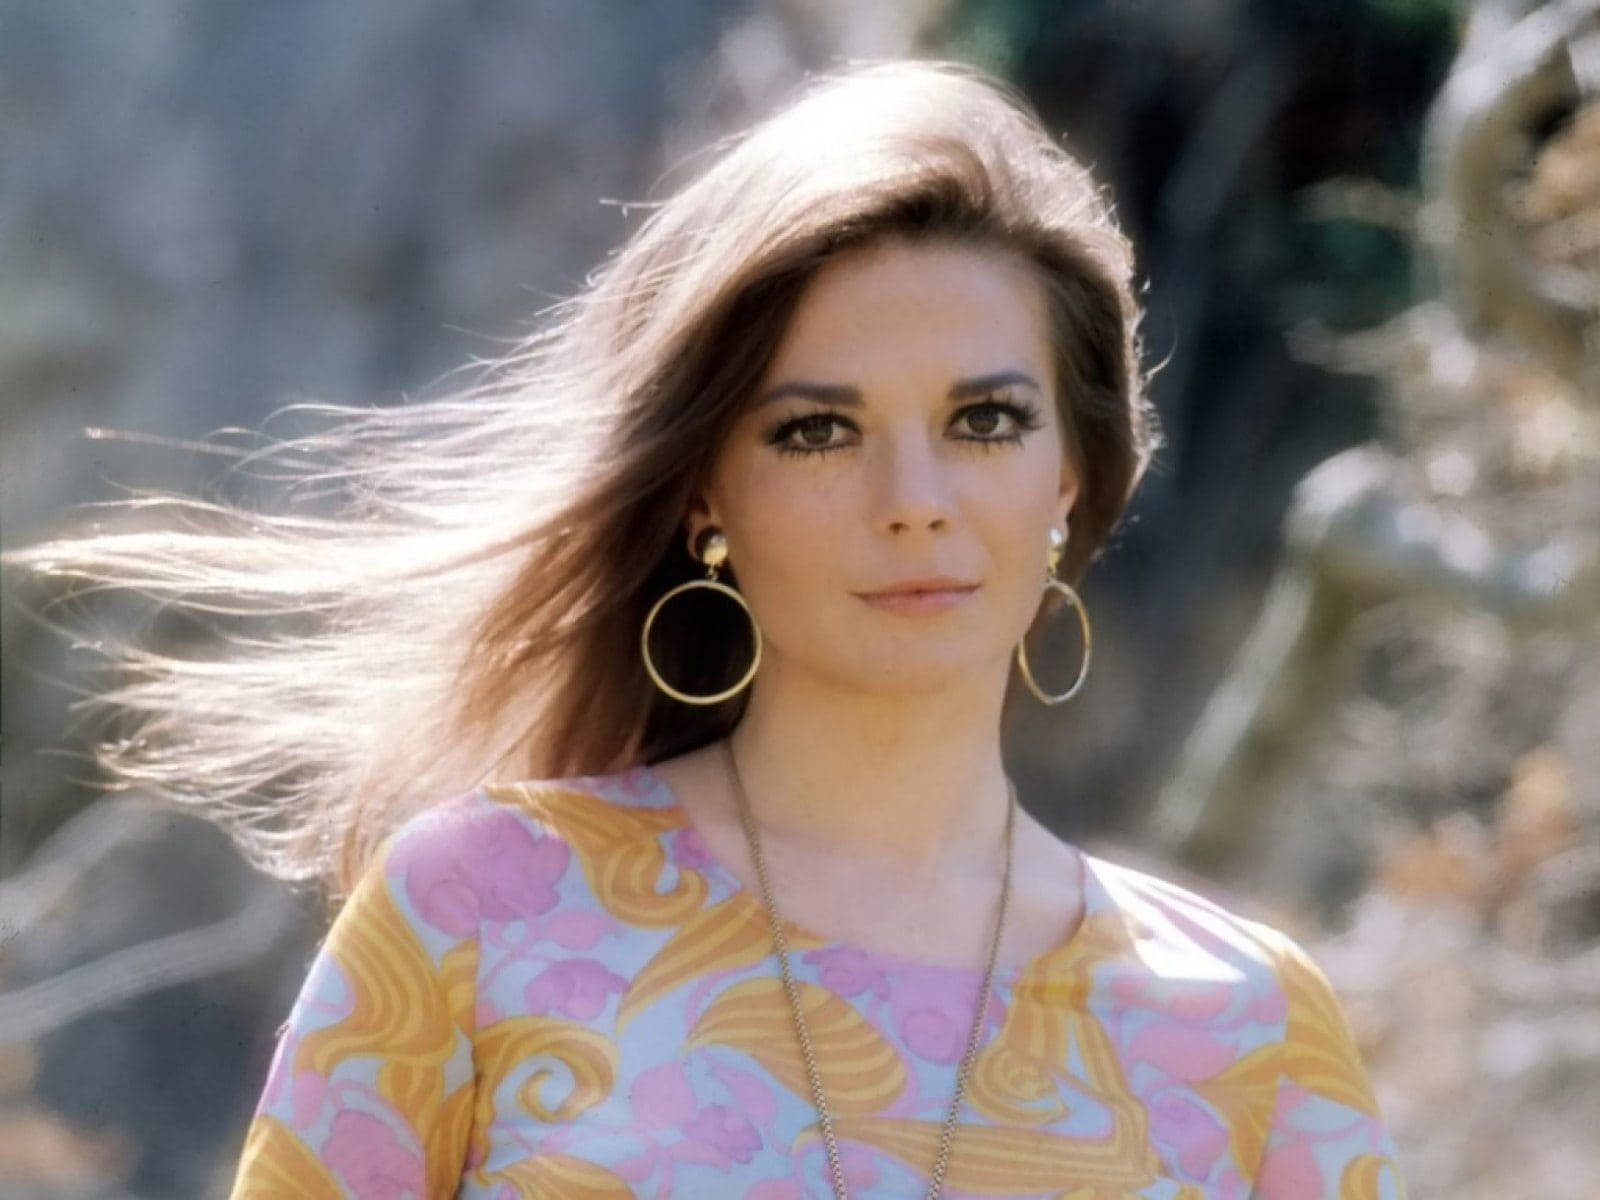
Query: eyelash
pixel 1025 416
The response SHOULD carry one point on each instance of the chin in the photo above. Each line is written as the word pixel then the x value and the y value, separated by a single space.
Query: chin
pixel 912 674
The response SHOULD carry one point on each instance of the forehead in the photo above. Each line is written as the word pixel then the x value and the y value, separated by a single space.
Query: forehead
pixel 916 309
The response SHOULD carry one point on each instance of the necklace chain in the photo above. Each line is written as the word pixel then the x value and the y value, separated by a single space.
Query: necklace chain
pixel 947 1134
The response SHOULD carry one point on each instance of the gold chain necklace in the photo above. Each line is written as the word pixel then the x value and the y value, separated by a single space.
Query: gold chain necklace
pixel 947 1134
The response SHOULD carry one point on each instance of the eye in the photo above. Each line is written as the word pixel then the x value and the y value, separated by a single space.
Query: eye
pixel 813 430
pixel 983 417
pixel 808 435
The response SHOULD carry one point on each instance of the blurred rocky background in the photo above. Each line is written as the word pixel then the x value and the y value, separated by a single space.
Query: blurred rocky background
pixel 1346 672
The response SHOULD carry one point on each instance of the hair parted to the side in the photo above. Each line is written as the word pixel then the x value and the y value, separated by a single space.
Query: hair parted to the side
pixel 475 603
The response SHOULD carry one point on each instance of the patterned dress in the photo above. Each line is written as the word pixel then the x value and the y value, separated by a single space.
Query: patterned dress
pixel 551 989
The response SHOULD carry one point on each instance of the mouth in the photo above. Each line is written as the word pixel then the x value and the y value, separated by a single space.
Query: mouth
pixel 919 598
pixel 920 587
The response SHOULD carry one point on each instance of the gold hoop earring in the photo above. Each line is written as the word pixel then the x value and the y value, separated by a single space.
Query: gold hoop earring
pixel 711 549
pixel 1051 583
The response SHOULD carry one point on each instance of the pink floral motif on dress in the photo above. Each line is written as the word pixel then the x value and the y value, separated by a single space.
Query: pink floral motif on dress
pixel 577 988
pixel 1196 1137
pixel 366 1152
pixel 508 987
pixel 689 850
pixel 848 971
pixel 493 867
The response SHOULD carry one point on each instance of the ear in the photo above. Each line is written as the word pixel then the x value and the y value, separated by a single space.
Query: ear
pixel 1068 495
pixel 700 514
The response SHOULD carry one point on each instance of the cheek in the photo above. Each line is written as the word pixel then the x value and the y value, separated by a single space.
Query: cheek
pixel 1021 573
pixel 788 539
pixel 1018 538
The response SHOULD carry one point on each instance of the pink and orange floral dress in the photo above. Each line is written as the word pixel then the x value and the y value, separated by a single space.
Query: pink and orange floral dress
pixel 551 989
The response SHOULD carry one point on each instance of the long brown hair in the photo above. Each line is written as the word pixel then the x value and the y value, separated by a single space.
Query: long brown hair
pixel 472 608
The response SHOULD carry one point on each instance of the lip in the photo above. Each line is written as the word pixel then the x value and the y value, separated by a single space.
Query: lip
pixel 934 583
pixel 917 599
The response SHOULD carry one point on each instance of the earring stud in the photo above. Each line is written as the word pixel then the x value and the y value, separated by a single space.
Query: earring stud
pixel 1058 543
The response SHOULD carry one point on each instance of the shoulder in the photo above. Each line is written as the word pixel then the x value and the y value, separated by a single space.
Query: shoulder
pixel 468 823
pixel 1191 961
pixel 1180 929
pixel 500 851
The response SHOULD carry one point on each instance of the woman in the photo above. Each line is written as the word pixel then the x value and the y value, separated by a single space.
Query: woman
pixel 752 911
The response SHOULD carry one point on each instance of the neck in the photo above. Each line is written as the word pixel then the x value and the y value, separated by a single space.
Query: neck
pixel 913 784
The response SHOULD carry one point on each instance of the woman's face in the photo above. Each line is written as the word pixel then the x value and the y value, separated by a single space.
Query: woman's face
pixel 907 427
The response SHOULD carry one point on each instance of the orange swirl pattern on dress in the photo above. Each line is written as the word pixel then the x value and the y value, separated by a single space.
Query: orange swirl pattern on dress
pixel 619 848
pixel 861 1072
pixel 725 937
pixel 400 1014
pixel 553 989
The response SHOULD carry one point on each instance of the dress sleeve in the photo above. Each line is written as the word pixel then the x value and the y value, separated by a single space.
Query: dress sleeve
pixel 371 1089
pixel 1326 1139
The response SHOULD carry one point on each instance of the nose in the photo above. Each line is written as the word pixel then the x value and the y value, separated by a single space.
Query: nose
pixel 912 488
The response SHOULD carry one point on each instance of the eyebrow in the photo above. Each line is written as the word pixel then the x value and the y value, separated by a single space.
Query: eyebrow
pixel 850 397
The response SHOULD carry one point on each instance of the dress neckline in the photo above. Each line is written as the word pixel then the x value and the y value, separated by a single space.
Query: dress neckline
pixel 1095 900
